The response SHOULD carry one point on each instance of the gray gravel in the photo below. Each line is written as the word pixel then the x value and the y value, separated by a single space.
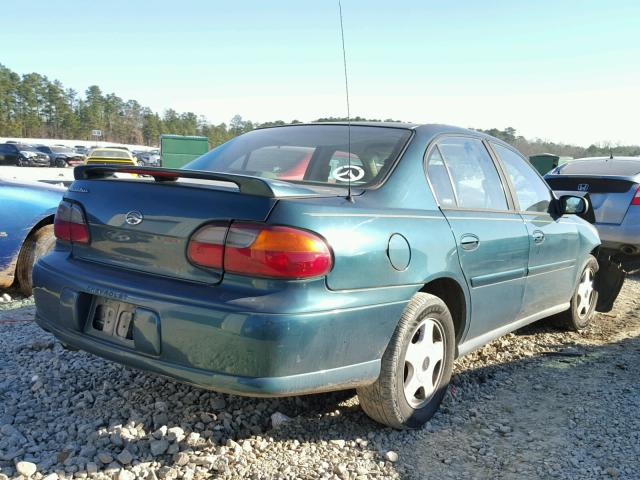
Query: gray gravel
pixel 539 403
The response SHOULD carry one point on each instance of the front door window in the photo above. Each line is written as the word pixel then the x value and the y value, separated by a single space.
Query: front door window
pixel 532 192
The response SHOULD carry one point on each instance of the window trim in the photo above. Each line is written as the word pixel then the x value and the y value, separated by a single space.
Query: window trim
pixel 506 187
pixel 446 167
pixel 512 187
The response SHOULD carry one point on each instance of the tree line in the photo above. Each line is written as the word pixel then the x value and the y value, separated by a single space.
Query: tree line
pixel 33 106
pixel 532 147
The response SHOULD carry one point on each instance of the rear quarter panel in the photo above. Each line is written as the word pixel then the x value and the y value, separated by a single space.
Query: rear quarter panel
pixel 359 237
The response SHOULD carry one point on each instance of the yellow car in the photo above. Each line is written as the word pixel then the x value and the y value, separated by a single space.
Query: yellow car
pixel 115 156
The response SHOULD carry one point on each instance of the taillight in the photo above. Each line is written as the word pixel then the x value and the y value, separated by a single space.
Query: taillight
pixel 274 251
pixel 206 246
pixel 261 250
pixel 636 198
pixel 70 224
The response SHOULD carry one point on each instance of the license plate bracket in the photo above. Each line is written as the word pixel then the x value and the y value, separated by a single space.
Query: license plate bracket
pixel 113 318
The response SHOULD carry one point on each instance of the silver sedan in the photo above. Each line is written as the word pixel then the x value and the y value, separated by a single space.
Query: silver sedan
pixel 613 185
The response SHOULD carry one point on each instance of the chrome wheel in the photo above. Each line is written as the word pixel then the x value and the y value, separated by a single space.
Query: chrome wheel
pixel 423 362
pixel 585 293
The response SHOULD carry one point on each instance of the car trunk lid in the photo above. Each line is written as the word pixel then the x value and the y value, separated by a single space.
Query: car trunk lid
pixel 168 213
pixel 163 213
pixel 610 196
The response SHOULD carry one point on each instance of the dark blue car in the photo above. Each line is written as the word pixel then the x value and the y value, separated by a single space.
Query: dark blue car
pixel 310 258
pixel 26 228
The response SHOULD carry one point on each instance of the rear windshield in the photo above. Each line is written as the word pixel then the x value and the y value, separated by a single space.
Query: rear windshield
pixel 122 155
pixel 316 154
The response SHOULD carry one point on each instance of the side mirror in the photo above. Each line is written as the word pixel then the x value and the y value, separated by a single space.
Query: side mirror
pixel 571 205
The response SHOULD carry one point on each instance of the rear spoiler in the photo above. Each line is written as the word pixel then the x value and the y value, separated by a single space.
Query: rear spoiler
pixel 262 187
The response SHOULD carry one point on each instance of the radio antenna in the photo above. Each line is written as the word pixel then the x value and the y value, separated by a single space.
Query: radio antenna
pixel 346 88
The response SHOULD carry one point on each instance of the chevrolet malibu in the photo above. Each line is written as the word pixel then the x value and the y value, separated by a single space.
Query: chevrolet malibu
pixel 371 260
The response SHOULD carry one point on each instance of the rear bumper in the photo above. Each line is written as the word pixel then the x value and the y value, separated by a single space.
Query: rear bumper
pixel 258 341
pixel 614 237
pixel 339 378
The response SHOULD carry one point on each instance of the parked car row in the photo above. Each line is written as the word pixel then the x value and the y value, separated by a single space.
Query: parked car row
pixel 24 155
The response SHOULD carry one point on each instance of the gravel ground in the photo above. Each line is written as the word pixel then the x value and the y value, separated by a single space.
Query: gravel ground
pixel 539 403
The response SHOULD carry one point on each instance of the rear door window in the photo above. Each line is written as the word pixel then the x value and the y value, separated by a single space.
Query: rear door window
pixel 476 182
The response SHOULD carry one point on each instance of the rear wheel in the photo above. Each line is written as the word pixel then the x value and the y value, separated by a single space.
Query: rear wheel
pixel 584 300
pixel 36 245
pixel 416 366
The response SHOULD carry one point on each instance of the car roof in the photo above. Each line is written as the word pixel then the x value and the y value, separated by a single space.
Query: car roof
pixel 428 129
pixel 616 166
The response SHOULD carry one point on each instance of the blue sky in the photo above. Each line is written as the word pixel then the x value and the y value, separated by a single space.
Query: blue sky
pixel 561 70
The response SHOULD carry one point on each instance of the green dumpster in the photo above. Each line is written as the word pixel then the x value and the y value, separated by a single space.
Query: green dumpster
pixel 178 150
pixel 545 162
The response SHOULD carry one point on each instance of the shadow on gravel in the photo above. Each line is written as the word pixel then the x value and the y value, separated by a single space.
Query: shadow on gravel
pixel 548 414
pixel 556 414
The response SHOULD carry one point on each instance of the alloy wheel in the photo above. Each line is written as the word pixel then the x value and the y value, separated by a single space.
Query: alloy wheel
pixel 423 362
pixel 585 293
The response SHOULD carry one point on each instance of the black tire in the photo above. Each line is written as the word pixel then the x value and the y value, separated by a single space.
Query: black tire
pixel 385 400
pixel 580 313
pixel 36 245
pixel 60 163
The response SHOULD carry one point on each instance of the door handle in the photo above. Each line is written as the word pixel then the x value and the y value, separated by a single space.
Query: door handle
pixel 469 241
pixel 538 236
